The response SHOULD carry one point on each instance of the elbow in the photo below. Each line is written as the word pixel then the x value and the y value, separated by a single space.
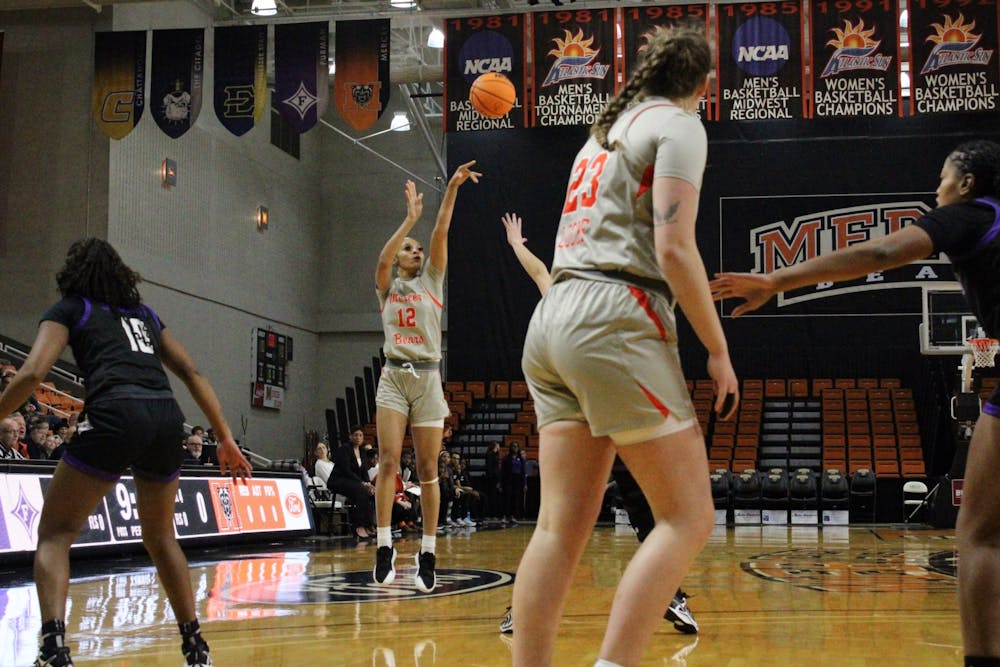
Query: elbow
pixel 672 258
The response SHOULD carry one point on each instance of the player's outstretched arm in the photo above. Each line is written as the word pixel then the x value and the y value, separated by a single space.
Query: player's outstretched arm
pixel 902 247
pixel 414 208
pixel 439 236
pixel 50 341
pixel 534 267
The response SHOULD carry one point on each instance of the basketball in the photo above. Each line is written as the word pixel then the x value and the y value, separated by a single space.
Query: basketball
pixel 492 95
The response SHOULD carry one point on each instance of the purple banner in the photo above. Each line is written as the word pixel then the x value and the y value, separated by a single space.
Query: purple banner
pixel 301 72
pixel 176 77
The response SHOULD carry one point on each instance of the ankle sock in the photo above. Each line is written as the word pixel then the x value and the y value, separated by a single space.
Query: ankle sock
pixel 383 536
pixel 428 543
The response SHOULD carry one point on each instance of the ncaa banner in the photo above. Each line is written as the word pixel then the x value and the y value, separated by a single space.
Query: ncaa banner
pixel 301 72
pixel 240 76
pixel 760 234
pixel 361 84
pixel 176 78
pixel 574 65
pixel 855 56
pixel 119 81
pixel 953 56
pixel 473 47
pixel 760 73
pixel 638 24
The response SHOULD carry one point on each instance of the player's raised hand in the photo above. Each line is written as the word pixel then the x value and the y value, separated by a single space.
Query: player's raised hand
pixel 414 202
pixel 231 460
pixel 465 173
pixel 756 288
pixel 512 223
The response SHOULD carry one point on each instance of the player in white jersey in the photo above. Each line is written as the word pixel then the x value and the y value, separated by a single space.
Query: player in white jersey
pixel 410 387
pixel 601 354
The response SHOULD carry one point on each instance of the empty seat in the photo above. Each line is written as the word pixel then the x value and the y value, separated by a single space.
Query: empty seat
pixel 862 496
pixel 499 389
pixel 774 388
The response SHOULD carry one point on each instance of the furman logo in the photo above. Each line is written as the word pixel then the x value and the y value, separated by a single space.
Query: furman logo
pixel 357 586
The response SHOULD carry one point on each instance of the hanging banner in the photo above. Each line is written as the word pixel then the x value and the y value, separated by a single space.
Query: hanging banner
pixel 472 47
pixel 640 22
pixel 760 73
pixel 574 66
pixel 175 79
pixel 361 85
pixel 240 76
pixel 953 56
pixel 855 55
pixel 301 72
pixel 119 81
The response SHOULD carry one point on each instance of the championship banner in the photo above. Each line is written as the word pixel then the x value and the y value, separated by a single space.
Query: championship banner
pixel 574 66
pixel 855 55
pixel 639 22
pixel 119 81
pixel 240 76
pixel 953 61
pixel 176 78
pixel 760 73
pixel 473 47
pixel 766 233
pixel 361 85
pixel 301 72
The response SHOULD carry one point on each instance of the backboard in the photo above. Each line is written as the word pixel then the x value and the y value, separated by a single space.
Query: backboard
pixel 947 321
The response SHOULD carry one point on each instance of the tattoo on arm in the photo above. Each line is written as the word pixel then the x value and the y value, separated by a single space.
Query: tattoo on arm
pixel 667 217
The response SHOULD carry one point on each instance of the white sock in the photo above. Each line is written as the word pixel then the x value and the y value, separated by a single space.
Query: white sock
pixel 383 536
pixel 427 544
pixel 601 662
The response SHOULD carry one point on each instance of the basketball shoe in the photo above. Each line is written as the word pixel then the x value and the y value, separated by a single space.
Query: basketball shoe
pixel 60 658
pixel 385 566
pixel 424 579
pixel 679 614
pixel 195 650
pixel 507 624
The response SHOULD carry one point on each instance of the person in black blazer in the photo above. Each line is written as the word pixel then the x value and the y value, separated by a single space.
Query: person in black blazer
pixel 349 480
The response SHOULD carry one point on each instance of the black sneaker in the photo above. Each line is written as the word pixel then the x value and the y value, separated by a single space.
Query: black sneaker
pixel 60 658
pixel 196 653
pixel 425 580
pixel 385 566
pixel 679 614
pixel 507 624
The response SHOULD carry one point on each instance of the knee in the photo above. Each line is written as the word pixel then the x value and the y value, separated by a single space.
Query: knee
pixel 977 530
pixel 388 466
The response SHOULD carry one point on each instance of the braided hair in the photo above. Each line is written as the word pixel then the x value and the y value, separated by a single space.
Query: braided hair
pixel 676 61
pixel 980 158
pixel 94 270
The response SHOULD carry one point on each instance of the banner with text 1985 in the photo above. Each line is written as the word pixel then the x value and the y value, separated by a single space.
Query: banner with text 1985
pixel 639 22
pixel 760 74
pixel 574 53
pixel 953 61
pixel 474 46
pixel 855 55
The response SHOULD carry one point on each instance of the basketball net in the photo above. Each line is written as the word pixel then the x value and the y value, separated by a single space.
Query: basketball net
pixel 983 351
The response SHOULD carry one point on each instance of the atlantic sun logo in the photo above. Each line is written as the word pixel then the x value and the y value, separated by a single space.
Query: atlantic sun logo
pixel 574 60
pixel 833 570
pixel 954 44
pixel 357 586
pixel 855 50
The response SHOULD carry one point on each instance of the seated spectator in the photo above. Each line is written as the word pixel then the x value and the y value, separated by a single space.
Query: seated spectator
pixel 351 480
pixel 324 466
pixel 407 469
pixel 37 434
pixel 469 505
pixel 371 464
pixel 195 455
pixel 52 449
pixel 449 492
pixel 9 445
pixel 22 426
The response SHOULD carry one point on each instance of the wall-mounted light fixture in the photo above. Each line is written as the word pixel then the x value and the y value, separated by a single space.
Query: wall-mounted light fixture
pixel 264 8
pixel 400 122
pixel 435 39
pixel 262 219
pixel 168 173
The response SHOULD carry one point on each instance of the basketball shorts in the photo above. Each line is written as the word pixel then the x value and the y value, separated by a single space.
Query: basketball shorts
pixel 115 434
pixel 992 406
pixel 419 397
pixel 606 353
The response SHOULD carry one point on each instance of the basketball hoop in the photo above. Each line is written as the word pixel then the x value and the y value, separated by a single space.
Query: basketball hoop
pixel 983 351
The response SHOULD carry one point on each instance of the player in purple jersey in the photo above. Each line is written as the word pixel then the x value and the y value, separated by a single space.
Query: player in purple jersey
pixel 129 420
pixel 966 227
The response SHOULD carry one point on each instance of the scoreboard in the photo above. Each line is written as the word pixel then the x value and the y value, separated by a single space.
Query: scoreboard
pixel 206 509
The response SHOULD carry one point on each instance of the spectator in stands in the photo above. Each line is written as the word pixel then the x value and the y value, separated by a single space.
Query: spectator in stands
pixel 10 447
pixel 492 482
pixel 22 426
pixel 324 466
pixel 964 227
pixel 349 479
pixel 470 509
pixel 66 428
pixel 449 492
pixel 37 434
pixel 407 469
pixel 410 390
pixel 371 464
pixel 446 436
pixel 194 451
pixel 512 480
pixel 52 449
pixel 132 422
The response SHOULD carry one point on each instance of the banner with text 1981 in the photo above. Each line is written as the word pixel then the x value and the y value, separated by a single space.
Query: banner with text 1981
pixel 953 61
pixel 855 55
pixel 574 54
pixel 639 22
pixel 759 74
pixel 474 46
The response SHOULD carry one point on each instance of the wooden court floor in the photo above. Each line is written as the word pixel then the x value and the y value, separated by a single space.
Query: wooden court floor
pixel 763 596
